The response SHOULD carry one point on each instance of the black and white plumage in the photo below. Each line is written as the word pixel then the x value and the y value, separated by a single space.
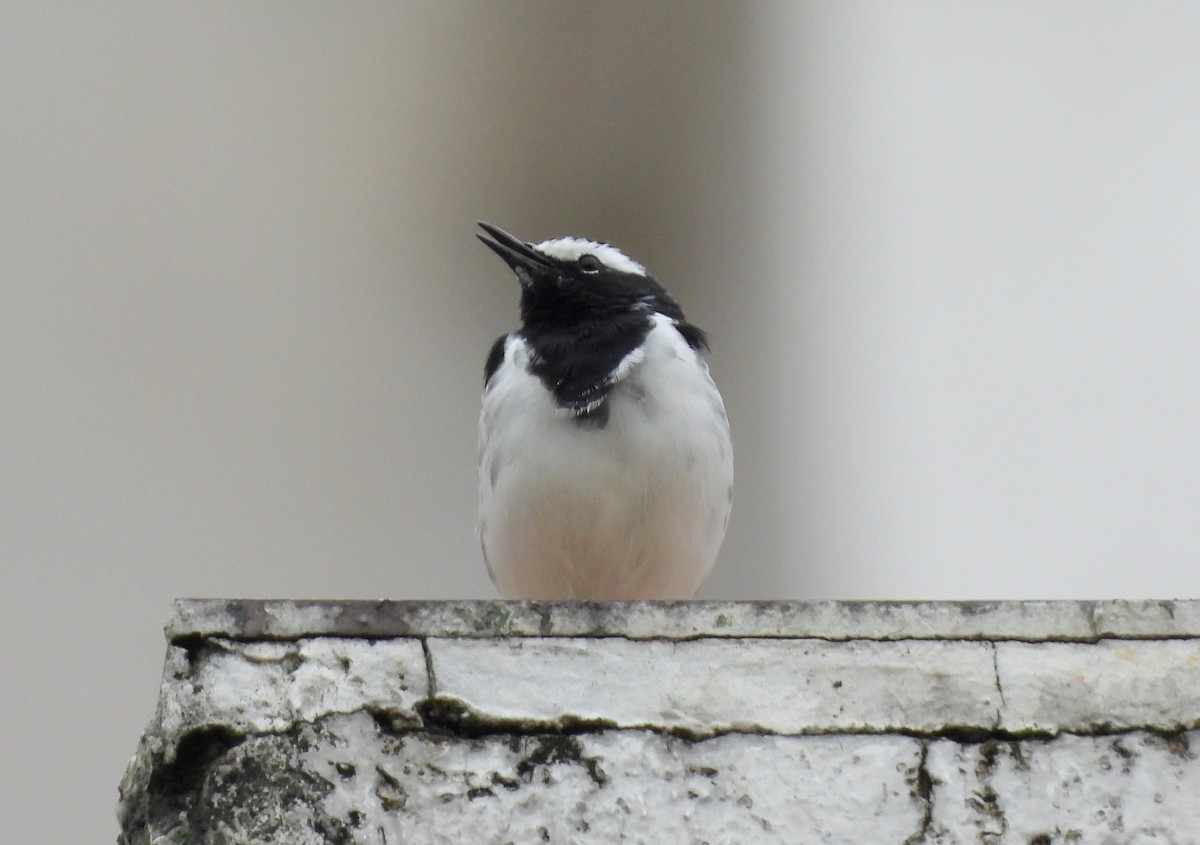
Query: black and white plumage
pixel 605 468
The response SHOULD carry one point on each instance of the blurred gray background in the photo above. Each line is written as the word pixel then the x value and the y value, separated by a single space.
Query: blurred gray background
pixel 947 255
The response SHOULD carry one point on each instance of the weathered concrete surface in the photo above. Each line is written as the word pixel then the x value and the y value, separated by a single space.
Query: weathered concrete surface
pixel 267 687
pixel 1033 621
pixel 615 786
pixel 497 722
pixel 706 687
pixel 1103 686
pixel 1130 788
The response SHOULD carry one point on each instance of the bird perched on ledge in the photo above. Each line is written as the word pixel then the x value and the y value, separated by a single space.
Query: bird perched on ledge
pixel 605 469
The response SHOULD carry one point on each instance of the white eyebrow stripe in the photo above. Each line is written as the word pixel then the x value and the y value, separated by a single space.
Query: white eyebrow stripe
pixel 570 249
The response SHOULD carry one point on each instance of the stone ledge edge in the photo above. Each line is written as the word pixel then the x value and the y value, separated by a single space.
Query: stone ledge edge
pixel 1025 621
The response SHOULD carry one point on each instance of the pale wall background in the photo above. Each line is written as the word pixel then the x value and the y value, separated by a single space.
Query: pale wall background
pixel 947 254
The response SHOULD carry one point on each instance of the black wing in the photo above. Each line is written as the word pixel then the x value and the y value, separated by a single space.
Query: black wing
pixel 494 359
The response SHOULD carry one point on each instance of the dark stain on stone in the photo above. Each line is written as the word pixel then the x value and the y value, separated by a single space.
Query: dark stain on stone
pixel 1179 745
pixel 333 830
pixel 256 783
pixel 248 618
pixel 451 716
pixel 568 724
pixel 686 734
pixel 1017 752
pixel 194 648
pixel 506 783
pixel 345 770
pixel 989 750
pixel 1040 839
pixel 195 754
pixel 967 734
pixel 392 796
pixel 551 750
pixel 987 802
pixel 1127 757
pixel 976 608
pixel 920 784
pixel 387 723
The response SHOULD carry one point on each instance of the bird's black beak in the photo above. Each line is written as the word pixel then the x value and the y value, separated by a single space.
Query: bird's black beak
pixel 524 260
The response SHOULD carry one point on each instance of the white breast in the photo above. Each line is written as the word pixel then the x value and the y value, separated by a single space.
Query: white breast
pixel 634 509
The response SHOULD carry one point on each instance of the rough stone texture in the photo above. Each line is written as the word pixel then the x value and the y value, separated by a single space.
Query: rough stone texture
pixel 695 722
pixel 1032 621
pixel 706 687
pixel 1105 686
pixel 1131 788
pixel 615 786
pixel 267 687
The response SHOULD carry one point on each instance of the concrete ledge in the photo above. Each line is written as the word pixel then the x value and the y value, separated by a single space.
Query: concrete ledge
pixel 1030 621
pixel 413 722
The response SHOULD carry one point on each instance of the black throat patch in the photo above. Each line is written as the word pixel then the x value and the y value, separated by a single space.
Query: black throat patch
pixel 578 363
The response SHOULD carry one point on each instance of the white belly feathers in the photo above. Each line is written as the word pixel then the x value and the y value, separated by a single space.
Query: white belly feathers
pixel 631 505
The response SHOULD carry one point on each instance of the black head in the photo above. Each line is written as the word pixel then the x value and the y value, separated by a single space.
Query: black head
pixel 585 306
pixel 568 281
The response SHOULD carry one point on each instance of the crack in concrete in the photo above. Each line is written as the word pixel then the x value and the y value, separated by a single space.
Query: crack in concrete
pixel 448 715
pixel 922 791
pixel 1003 706
pixel 985 801
pixel 430 677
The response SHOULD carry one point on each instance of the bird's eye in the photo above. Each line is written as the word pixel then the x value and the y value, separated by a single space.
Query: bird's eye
pixel 590 264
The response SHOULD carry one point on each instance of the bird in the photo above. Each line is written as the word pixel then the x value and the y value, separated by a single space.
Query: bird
pixel 605 462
